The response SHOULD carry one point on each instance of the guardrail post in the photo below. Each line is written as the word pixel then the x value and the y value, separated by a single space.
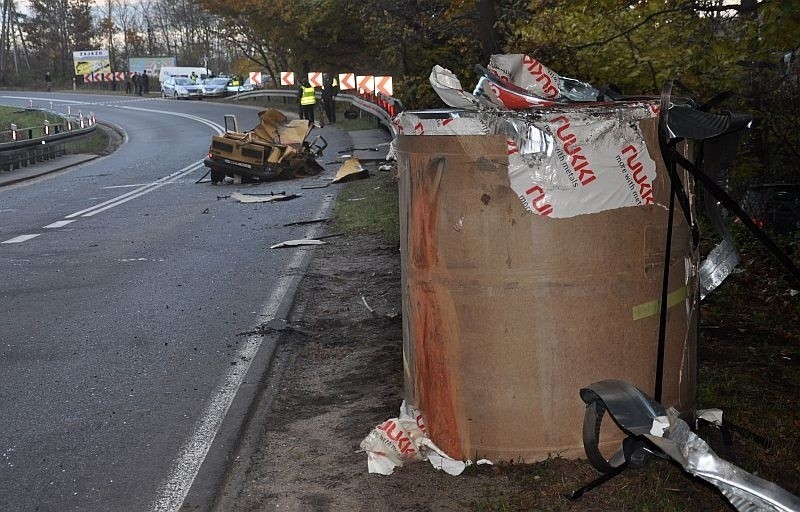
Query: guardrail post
pixel 14 135
pixel 46 127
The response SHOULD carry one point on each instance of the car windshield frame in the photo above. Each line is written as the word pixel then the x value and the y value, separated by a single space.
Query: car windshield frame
pixel 218 81
pixel 183 81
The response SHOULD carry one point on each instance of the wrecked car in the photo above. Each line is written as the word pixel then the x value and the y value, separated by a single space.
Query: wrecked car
pixel 276 149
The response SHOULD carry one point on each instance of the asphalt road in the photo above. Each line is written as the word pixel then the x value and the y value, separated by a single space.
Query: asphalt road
pixel 126 299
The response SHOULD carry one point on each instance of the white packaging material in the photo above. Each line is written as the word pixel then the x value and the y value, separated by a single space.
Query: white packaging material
pixel 533 76
pixel 410 123
pixel 660 425
pixel 449 89
pixel 528 73
pixel 562 162
pixel 399 440
pixel 713 416
pixel 592 163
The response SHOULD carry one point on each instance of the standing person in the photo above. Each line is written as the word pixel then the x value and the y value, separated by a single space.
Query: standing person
pixel 136 85
pixel 330 88
pixel 193 77
pixel 307 101
pixel 127 83
pixel 48 81
pixel 145 83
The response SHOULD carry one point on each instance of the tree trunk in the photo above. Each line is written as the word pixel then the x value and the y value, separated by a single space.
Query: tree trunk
pixel 486 23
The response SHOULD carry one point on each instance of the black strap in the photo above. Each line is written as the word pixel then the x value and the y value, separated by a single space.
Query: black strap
pixel 663 142
pixel 728 202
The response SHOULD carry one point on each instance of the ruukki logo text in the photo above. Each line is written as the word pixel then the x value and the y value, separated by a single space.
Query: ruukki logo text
pixel 534 197
pixel 577 159
pixel 634 172
pixel 395 432
pixel 542 77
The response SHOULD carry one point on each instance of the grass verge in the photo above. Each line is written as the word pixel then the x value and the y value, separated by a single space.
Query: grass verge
pixel 96 143
pixel 369 206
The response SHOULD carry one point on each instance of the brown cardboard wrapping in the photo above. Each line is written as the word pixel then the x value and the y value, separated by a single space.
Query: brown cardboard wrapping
pixel 508 314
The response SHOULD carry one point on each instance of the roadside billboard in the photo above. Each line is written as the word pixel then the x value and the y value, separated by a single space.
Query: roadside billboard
pixel 152 65
pixel 91 61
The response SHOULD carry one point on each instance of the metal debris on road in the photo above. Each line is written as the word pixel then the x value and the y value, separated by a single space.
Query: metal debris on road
pixel 256 198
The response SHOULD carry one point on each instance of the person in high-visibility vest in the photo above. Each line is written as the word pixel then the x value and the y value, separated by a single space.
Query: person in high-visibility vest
pixel 330 87
pixel 307 101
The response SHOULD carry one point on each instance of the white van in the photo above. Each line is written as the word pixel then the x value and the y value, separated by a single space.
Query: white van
pixel 184 71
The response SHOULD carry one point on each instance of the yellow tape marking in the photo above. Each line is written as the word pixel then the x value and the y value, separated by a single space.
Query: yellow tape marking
pixel 654 306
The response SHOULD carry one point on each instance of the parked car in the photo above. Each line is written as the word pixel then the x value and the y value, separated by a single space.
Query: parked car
pixel 180 87
pixel 774 206
pixel 215 86
pixel 245 86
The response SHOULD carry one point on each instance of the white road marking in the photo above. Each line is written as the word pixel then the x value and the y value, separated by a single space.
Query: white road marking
pixel 128 186
pixel 94 212
pixel 173 182
pixel 133 194
pixel 59 224
pixel 87 212
pixel 19 239
pixel 192 454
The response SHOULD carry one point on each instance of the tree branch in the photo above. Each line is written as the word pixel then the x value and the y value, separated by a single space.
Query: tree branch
pixel 626 31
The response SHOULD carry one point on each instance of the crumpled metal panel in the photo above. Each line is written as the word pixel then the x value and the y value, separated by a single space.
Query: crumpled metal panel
pixel 630 408
pixel 745 491
pixel 723 259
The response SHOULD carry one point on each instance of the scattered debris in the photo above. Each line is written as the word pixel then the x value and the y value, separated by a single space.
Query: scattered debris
pixel 316 186
pixel 364 300
pixel 404 439
pixel 263 198
pixel 295 243
pixel 351 169
pixel 304 222
pixel 205 211
pixel 653 429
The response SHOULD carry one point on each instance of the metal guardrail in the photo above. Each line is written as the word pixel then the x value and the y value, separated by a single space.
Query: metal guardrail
pixel 366 105
pixel 25 146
